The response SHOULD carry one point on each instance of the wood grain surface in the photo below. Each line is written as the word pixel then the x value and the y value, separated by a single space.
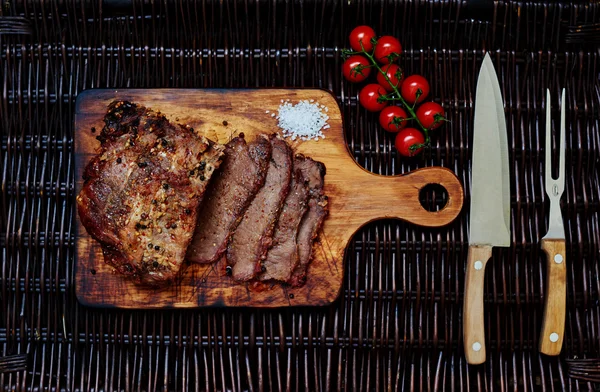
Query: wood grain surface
pixel 473 311
pixel 356 197
pixel 553 325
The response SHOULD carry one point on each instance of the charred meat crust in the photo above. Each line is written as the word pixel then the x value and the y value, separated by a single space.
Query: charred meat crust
pixel 312 220
pixel 142 190
pixel 252 239
pixel 232 189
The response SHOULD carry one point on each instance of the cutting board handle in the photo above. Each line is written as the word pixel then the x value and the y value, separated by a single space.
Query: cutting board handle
pixel 399 196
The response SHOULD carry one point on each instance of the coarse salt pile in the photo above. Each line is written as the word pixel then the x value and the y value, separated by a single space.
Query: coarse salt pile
pixel 305 120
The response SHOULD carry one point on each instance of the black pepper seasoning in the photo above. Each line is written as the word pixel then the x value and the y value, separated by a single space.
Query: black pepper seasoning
pixel 187 211
pixel 93 129
pixel 228 270
pixel 155 264
pixel 157 247
pixel 119 160
pixel 150 245
pixel 165 186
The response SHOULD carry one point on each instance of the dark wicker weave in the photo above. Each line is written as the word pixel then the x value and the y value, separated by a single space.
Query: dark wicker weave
pixel 397 324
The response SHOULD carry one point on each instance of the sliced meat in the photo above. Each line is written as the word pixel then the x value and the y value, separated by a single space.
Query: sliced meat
pixel 141 192
pixel 253 235
pixel 241 175
pixel 312 221
pixel 282 258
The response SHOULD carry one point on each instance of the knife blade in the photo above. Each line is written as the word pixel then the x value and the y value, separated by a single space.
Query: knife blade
pixel 489 222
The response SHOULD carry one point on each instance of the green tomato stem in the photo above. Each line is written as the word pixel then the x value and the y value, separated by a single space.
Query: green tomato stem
pixel 398 97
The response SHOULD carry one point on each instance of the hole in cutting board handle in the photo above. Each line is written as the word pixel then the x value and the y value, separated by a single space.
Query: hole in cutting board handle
pixel 433 197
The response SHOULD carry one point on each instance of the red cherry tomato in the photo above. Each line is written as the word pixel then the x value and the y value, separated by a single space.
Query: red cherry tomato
pixel 387 47
pixel 431 115
pixel 354 69
pixel 406 138
pixel 411 86
pixel 391 118
pixel 368 97
pixel 394 73
pixel 364 34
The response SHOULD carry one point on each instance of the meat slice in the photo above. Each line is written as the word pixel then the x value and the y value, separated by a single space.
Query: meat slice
pixel 141 192
pixel 253 235
pixel 312 221
pixel 234 185
pixel 282 258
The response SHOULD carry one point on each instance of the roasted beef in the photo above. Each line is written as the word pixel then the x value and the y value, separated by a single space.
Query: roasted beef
pixel 141 192
pixel 282 257
pixel 234 185
pixel 252 238
pixel 312 221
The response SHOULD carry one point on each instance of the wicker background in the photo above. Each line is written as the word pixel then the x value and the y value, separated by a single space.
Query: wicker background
pixel 397 324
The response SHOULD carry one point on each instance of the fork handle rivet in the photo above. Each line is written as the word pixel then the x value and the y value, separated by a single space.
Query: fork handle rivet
pixel 554 337
pixel 558 258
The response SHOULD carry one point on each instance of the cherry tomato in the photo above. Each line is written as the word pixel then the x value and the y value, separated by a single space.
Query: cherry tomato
pixel 431 115
pixel 411 86
pixel 364 34
pixel 354 69
pixel 391 118
pixel 368 97
pixel 407 138
pixel 387 47
pixel 394 73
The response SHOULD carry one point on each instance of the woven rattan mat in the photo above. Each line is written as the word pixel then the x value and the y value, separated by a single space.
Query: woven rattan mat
pixel 397 324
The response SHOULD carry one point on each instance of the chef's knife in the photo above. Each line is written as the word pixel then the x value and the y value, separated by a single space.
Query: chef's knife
pixel 489 223
pixel 553 243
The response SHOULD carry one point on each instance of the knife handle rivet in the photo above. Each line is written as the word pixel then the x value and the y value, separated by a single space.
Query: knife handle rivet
pixel 558 258
pixel 478 265
pixel 554 337
pixel 477 346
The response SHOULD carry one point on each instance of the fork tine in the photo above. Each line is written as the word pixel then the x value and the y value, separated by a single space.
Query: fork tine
pixel 548 163
pixel 563 143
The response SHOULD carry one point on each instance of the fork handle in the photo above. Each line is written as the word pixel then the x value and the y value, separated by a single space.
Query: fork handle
pixel 553 326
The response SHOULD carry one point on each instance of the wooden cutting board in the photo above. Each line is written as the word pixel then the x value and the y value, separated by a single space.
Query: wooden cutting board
pixel 356 197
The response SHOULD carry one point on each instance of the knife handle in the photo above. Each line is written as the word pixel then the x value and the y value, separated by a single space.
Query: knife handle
pixel 553 326
pixel 473 326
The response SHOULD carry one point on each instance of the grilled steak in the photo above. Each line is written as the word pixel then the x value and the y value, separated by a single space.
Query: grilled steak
pixel 312 221
pixel 253 236
pixel 234 185
pixel 142 190
pixel 282 258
